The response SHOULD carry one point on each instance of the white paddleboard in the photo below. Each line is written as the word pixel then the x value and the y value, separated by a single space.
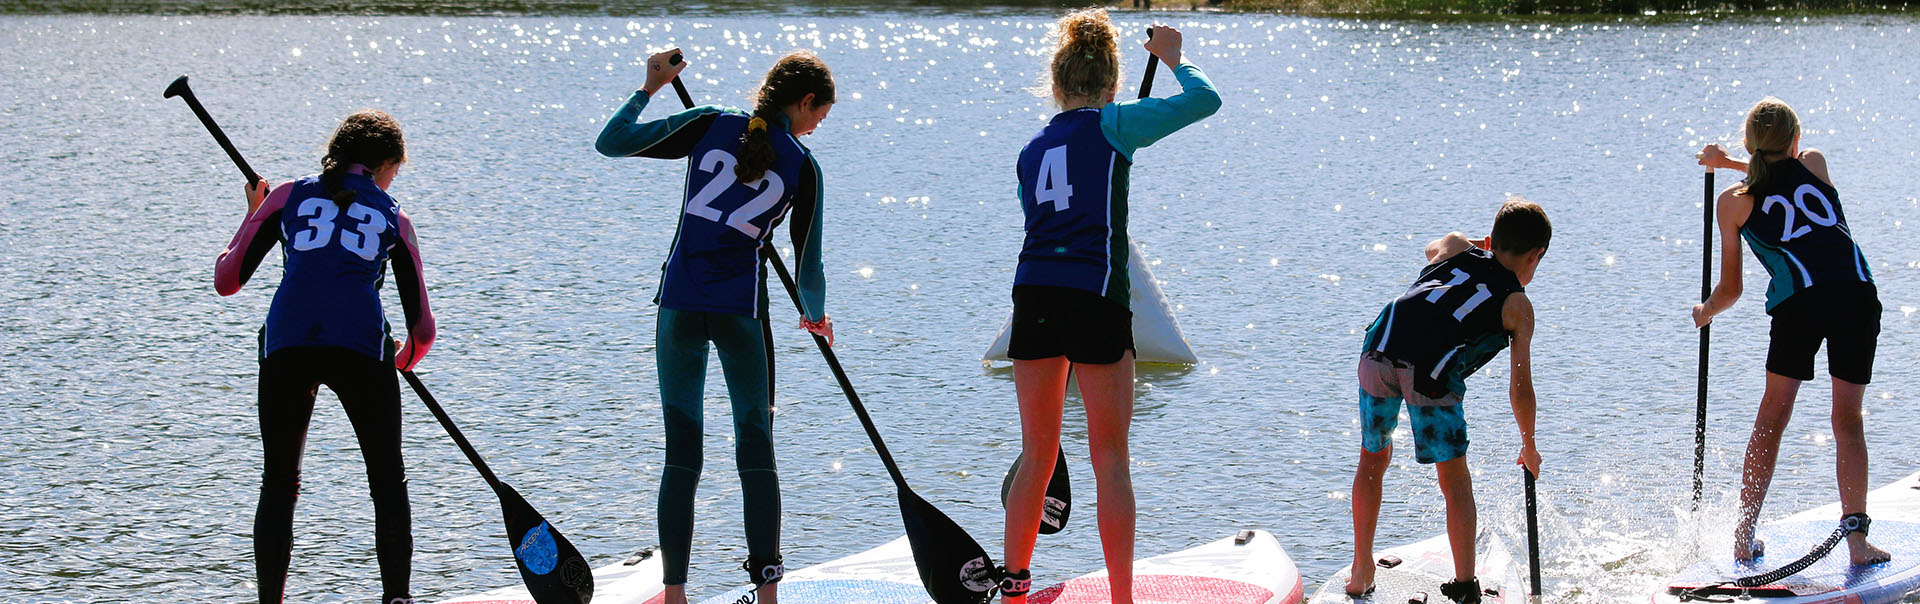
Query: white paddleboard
pixel 1414 572
pixel 1156 335
pixel 635 580
pixel 882 575
pixel 1247 568
pixel 1895 510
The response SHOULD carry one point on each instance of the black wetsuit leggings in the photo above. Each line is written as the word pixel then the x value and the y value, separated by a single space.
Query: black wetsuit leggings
pixel 369 389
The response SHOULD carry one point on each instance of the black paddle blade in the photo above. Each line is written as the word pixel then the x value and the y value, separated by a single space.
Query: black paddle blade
pixel 1059 502
pixel 555 572
pixel 177 88
pixel 953 567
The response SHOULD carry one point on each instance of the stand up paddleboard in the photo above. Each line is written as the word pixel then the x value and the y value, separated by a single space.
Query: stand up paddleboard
pixel 882 575
pixel 1156 335
pixel 1247 568
pixel 635 580
pixel 1413 574
pixel 1895 510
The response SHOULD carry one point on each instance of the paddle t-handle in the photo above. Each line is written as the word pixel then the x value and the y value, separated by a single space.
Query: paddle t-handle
pixel 679 88
pixel 180 89
pixel 1153 62
pixel 1533 536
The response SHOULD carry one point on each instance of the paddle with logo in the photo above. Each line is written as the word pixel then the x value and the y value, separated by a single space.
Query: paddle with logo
pixel 953 567
pixel 554 571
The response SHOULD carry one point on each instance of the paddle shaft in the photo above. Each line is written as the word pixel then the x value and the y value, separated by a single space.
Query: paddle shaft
pixel 1153 62
pixel 1706 331
pixel 679 88
pixel 180 88
pixel 452 430
pixel 1533 535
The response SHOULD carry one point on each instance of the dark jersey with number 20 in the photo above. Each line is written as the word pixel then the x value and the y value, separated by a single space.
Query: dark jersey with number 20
pixel 1448 324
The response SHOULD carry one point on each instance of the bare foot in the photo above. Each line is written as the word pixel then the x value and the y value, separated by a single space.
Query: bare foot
pixel 1750 551
pixel 1864 553
pixel 1360 584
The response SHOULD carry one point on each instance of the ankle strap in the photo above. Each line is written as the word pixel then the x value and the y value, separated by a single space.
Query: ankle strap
pixel 1015 584
pixel 1856 522
pixel 763 572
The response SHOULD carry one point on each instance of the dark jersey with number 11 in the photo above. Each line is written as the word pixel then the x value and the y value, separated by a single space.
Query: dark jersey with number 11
pixel 1448 324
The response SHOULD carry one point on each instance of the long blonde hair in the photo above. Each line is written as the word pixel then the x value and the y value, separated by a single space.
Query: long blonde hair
pixel 1086 58
pixel 1771 130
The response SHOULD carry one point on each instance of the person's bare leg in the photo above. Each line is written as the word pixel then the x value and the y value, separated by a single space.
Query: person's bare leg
pixel 1366 515
pixel 1763 449
pixel 768 594
pixel 1850 465
pixel 1108 392
pixel 676 594
pixel 1042 388
pixel 1456 485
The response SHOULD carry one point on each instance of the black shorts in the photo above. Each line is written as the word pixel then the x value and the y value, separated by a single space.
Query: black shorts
pixel 1846 315
pixel 1053 321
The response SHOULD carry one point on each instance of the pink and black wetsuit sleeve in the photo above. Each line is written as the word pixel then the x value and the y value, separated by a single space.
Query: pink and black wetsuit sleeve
pixel 250 245
pixel 410 277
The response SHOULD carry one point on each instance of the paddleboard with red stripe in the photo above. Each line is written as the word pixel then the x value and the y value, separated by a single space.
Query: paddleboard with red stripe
pixel 635 580
pixel 1247 568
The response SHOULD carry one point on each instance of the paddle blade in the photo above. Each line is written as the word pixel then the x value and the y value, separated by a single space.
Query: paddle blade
pixel 177 88
pixel 555 572
pixel 1059 502
pixel 953 567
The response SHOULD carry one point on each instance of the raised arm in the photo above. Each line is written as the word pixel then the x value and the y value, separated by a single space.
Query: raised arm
pixel 1516 315
pixel 1135 124
pixel 671 138
pixel 410 277
pixel 1732 212
pixel 251 243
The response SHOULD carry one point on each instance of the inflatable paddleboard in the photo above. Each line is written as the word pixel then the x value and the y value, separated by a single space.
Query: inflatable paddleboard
pixel 1413 573
pixel 635 580
pixel 1156 335
pixel 882 575
pixel 1247 568
pixel 1895 510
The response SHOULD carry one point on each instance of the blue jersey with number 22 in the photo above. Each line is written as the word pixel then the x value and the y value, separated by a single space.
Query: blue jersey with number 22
pixel 715 263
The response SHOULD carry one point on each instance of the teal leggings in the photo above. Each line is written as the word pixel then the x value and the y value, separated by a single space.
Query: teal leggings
pixel 680 347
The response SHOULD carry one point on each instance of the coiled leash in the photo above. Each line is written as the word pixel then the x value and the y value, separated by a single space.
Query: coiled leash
pixel 1849 524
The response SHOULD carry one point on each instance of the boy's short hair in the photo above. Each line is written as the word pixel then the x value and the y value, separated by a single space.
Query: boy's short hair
pixel 1521 226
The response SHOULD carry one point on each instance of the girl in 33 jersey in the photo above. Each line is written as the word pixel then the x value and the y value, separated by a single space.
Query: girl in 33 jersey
pixel 746 171
pixel 1819 289
pixel 337 232
pixel 1070 291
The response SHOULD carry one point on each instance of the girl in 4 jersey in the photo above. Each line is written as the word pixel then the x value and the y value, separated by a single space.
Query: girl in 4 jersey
pixel 746 172
pixel 1070 312
pixel 1819 289
pixel 338 231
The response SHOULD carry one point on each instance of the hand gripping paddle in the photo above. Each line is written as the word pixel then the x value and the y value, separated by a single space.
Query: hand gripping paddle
pixel 953 567
pixel 554 571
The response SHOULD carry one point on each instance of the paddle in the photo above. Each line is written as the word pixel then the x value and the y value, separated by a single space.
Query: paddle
pixel 555 572
pixel 1700 401
pixel 180 89
pixel 1533 536
pixel 953 567
pixel 1058 504
pixel 539 549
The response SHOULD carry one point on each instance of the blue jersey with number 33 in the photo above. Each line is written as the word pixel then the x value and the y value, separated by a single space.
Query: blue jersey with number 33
pixel 336 260
pixel 715 263
pixel 1073 189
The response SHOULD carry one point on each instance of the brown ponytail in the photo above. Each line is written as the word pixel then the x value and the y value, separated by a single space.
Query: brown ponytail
pixel 792 78
pixel 369 138
pixel 1086 59
pixel 1771 130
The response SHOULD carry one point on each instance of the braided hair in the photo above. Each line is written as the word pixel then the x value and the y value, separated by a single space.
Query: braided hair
pixel 369 138
pixel 792 78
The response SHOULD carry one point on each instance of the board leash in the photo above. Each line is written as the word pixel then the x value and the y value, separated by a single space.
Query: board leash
pixel 1857 521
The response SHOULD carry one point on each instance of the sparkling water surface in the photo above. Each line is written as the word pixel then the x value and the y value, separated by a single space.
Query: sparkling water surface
pixel 1277 227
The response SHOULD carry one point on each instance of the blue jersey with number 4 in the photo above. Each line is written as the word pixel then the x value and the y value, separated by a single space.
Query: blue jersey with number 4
pixel 1073 189
pixel 1800 234
pixel 715 263
pixel 336 260
pixel 1448 324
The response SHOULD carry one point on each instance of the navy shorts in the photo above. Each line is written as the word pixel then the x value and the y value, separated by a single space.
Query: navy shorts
pixel 1083 326
pixel 1845 315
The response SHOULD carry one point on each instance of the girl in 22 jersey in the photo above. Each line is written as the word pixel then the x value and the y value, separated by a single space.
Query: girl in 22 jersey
pixel 1818 289
pixel 338 230
pixel 1070 292
pixel 746 172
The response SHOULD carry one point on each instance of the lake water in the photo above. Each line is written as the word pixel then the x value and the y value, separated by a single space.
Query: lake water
pixel 1278 227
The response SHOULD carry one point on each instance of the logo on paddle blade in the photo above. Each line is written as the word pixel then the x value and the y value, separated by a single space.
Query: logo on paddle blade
pixel 977 575
pixel 537 551
pixel 576 574
pixel 1055 512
